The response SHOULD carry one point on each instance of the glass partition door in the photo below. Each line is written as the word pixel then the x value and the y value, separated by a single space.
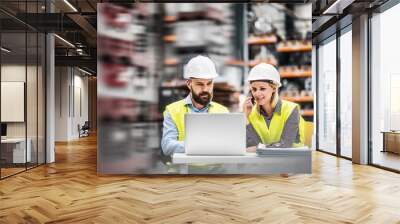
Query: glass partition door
pixel 327 95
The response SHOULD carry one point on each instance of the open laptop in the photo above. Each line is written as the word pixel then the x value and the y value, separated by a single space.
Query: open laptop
pixel 215 134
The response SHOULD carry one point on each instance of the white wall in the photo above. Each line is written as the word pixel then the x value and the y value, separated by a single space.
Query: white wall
pixel 33 126
pixel 12 73
pixel 71 88
pixel 79 117
pixel 61 103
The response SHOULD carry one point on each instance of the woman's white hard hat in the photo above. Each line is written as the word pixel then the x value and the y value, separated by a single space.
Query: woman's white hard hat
pixel 264 71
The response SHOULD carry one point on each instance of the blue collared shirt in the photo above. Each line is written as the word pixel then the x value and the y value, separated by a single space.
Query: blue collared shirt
pixel 169 141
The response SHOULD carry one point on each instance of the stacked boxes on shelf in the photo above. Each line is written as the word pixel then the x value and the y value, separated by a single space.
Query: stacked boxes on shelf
pixel 129 133
pixel 127 80
pixel 191 29
pixel 295 61
pixel 279 43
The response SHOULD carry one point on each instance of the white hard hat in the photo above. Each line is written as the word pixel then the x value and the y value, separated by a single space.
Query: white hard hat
pixel 264 71
pixel 200 67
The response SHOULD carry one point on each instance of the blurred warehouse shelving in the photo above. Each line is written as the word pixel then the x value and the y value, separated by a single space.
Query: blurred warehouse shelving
pixel 268 39
pixel 128 81
pixel 127 62
pixel 281 35
pixel 134 42
pixel 190 29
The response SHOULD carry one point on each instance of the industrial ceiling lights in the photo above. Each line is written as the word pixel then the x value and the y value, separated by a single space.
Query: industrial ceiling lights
pixel 5 50
pixel 70 5
pixel 84 71
pixel 64 40
pixel 337 7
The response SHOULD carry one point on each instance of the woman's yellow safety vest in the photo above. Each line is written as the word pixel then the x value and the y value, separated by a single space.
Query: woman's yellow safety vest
pixel 273 133
pixel 177 111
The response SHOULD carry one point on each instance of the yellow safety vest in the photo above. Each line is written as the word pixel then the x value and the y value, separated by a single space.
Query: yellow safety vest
pixel 177 111
pixel 273 133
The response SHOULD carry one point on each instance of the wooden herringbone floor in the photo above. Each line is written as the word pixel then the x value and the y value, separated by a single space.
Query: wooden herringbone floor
pixel 70 191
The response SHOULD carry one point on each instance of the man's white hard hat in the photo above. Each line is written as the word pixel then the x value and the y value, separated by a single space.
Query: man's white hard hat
pixel 264 71
pixel 200 67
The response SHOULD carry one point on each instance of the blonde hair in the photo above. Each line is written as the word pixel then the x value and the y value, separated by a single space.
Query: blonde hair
pixel 275 95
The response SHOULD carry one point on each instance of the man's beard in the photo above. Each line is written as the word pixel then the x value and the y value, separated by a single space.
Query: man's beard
pixel 203 98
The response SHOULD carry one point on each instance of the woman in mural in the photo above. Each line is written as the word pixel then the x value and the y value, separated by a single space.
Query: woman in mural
pixel 271 120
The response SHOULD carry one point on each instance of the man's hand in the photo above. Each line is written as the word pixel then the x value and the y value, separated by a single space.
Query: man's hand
pixel 251 149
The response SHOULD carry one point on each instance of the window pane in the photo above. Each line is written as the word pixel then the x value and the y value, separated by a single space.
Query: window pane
pixel 14 151
pixel 385 85
pixel 31 96
pixel 327 96
pixel 346 94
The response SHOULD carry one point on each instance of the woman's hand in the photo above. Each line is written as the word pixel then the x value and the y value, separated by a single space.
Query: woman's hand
pixel 247 106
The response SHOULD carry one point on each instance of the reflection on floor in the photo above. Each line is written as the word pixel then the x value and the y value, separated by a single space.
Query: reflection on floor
pixel 10 171
pixel 387 159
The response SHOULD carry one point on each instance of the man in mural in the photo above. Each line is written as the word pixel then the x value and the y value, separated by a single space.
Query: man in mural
pixel 200 73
